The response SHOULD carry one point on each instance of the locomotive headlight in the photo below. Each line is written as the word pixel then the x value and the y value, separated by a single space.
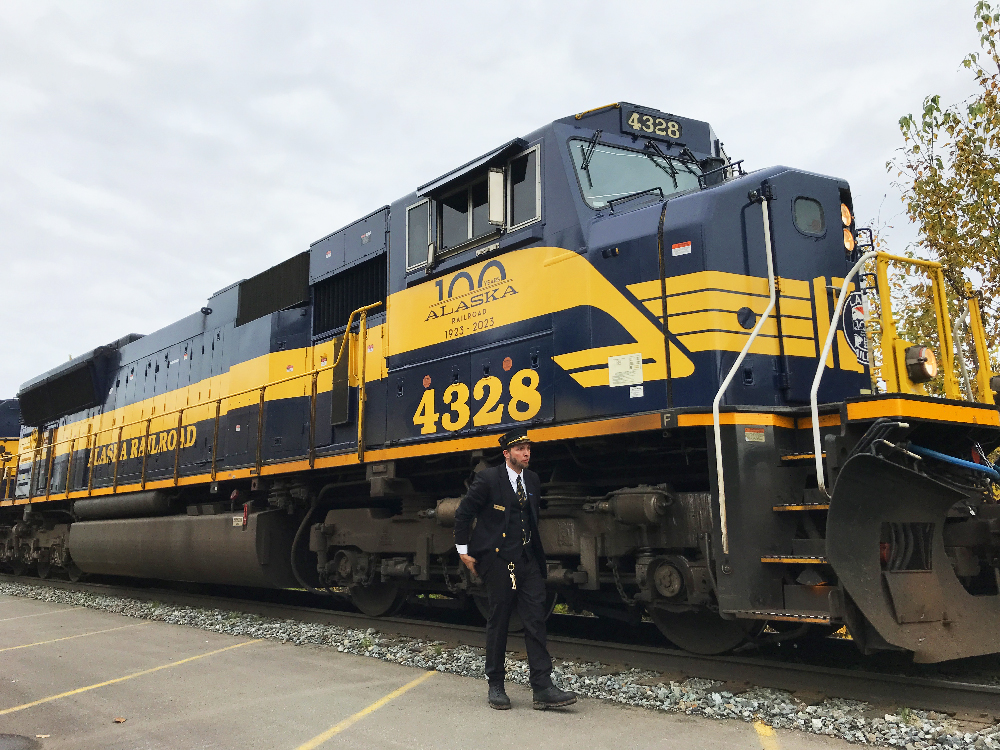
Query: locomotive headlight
pixel 845 215
pixel 848 240
pixel 921 364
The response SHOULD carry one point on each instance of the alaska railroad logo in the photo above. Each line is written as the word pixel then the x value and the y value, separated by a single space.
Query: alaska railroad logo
pixel 465 294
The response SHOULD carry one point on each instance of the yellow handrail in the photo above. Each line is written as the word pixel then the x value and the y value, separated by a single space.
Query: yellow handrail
pixel 314 373
pixel 985 372
pixel 893 368
pixel 613 105
pixel 362 359
pixel 5 477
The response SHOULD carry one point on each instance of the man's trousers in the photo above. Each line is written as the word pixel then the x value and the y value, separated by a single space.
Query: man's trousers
pixel 529 601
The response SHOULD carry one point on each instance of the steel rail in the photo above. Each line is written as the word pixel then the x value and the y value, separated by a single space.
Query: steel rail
pixel 874 687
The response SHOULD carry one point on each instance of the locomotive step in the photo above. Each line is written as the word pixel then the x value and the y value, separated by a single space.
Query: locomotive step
pixel 794 559
pixel 795 457
pixel 816 618
pixel 802 506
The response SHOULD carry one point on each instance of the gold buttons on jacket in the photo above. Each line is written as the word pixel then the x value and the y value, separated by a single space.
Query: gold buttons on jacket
pixel 505 535
pixel 498 549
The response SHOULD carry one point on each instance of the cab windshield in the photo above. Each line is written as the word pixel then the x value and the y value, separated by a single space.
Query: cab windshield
pixel 608 172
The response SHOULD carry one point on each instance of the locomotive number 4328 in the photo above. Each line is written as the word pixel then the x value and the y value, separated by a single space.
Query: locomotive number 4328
pixel 640 122
pixel 524 402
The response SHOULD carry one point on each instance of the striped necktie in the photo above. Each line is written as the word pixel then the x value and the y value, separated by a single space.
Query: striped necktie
pixel 522 501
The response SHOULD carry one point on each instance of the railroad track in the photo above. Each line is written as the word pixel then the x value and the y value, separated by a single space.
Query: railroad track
pixel 965 699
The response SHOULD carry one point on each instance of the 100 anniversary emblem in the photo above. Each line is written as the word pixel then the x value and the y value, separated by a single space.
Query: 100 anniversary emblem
pixel 463 303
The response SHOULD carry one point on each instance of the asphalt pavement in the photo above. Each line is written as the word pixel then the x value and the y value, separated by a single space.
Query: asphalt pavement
pixel 72 677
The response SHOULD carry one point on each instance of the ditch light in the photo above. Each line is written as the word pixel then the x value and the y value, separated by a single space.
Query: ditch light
pixel 921 364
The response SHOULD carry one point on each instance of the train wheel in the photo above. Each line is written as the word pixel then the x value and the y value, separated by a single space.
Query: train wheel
pixel 378 599
pixel 17 568
pixel 75 574
pixel 44 569
pixel 700 632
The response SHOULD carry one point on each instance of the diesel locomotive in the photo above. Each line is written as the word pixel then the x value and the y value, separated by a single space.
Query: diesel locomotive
pixel 687 344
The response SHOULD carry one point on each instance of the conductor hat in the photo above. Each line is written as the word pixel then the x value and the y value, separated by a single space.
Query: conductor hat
pixel 516 436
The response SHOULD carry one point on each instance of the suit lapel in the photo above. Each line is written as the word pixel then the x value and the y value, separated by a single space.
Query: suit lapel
pixel 506 492
pixel 533 497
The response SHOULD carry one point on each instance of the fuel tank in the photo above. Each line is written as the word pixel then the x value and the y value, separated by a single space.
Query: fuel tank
pixel 198 549
pixel 131 505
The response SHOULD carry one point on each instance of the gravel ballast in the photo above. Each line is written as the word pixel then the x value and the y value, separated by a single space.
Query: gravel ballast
pixel 850 720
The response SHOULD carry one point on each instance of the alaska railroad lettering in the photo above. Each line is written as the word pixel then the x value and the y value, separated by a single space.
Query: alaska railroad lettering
pixel 157 442
pixel 476 300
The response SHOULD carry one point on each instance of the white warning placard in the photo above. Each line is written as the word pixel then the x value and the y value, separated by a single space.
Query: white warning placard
pixel 625 370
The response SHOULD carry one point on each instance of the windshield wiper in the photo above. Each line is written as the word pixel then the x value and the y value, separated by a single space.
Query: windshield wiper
pixel 666 165
pixel 694 160
pixel 685 160
pixel 588 154
pixel 636 194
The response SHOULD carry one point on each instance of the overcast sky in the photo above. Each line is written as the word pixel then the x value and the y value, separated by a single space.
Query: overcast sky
pixel 153 153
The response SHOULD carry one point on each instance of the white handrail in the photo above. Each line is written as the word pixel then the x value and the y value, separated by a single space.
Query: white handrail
pixel 821 364
pixel 732 372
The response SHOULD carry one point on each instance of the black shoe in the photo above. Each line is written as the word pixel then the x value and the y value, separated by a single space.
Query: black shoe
pixel 498 698
pixel 553 697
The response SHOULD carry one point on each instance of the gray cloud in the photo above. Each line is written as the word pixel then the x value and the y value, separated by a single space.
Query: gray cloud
pixel 153 153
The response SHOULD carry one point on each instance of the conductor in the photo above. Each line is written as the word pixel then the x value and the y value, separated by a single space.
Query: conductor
pixel 504 549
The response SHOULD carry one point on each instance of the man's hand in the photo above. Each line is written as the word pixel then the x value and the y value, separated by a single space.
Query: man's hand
pixel 470 563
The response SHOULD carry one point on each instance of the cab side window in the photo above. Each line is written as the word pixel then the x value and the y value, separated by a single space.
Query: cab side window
pixel 417 235
pixel 809 218
pixel 464 215
pixel 524 196
pixel 483 200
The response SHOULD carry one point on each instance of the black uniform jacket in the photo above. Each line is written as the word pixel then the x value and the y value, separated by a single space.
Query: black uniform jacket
pixel 490 500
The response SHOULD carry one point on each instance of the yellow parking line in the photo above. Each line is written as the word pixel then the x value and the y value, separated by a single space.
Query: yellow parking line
pixel 122 679
pixel 338 728
pixel 38 614
pixel 71 637
pixel 767 736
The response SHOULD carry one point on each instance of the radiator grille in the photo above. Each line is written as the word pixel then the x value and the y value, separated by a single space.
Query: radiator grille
pixel 335 298
pixel 279 288
pixel 70 392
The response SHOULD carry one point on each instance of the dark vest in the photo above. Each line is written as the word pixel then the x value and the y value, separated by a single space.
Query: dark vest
pixel 517 539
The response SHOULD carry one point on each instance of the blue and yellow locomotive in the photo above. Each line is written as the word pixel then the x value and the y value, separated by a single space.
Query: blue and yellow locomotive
pixel 685 342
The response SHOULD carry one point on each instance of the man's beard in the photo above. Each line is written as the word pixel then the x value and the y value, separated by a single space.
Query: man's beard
pixel 518 465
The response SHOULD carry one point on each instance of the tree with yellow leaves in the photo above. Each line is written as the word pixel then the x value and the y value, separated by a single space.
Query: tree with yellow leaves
pixel 949 173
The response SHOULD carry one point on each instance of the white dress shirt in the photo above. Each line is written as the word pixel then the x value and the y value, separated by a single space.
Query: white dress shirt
pixel 512 476
pixel 463 549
